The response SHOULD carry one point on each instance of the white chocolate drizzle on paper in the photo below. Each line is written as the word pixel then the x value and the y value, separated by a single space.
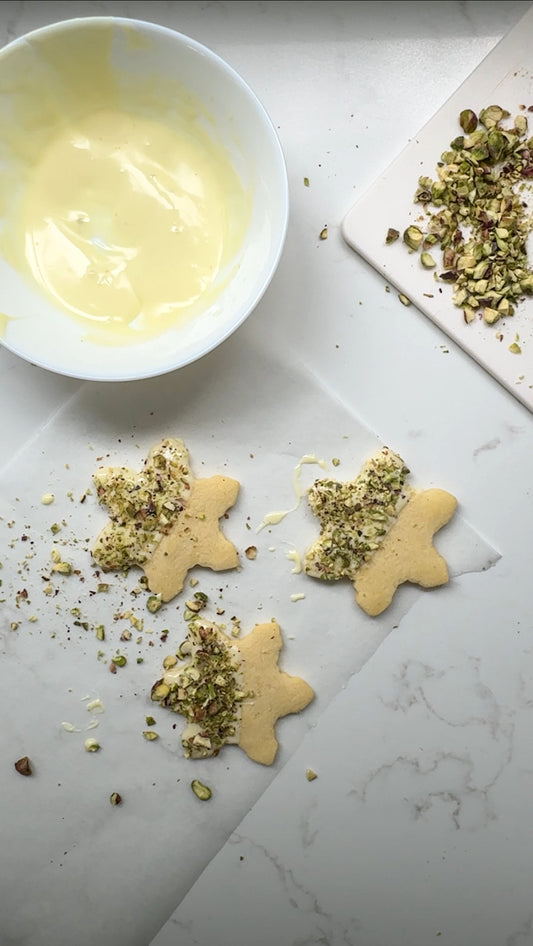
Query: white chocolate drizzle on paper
pixel 273 518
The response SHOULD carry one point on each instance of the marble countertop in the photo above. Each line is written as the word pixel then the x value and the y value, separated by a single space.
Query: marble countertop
pixel 418 828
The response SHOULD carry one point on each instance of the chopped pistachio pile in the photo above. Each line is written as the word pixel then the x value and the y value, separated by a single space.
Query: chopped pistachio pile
pixel 355 516
pixel 201 682
pixel 142 506
pixel 477 215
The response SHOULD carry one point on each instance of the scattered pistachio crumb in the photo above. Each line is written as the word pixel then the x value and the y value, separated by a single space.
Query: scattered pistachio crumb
pixel 47 499
pixel 203 792
pixel 306 182
pixel 404 299
pixel 298 597
pixel 150 735
pixel 515 349
pixel 251 552
pixel 310 775
pixel 169 661
pixel 150 721
pixel 324 233
pixel 336 461
pixel 92 744
pixel 154 603
pixel 115 798
pixel 427 261
pixel 23 766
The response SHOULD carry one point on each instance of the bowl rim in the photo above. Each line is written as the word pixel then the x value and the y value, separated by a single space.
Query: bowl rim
pixel 208 345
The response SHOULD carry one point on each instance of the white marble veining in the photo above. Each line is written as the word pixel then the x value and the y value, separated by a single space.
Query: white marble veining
pixel 418 828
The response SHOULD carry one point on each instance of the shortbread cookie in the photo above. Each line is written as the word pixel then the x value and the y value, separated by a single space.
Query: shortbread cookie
pixel 378 532
pixel 230 691
pixel 163 519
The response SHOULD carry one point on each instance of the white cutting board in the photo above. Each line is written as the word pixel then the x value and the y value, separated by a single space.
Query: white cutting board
pixel 505 77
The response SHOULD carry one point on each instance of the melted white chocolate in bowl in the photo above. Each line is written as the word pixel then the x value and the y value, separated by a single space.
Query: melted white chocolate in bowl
pixel 127 210
pixel 125 219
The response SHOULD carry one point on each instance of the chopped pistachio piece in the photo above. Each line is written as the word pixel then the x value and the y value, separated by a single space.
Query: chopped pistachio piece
pixel 170 661
pixel 150 735
pixel 154 603
pixel 92 745
pixel 203 792
pixel 310 775
pixel 412 237
pixel 115 798
pixel 160 691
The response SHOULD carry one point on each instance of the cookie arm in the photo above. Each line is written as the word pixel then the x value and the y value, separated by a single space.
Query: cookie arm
pixel 407 552
pixel 274 692
pixel 195 539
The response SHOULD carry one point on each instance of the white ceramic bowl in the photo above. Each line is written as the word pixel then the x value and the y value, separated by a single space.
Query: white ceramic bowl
pixel 162 74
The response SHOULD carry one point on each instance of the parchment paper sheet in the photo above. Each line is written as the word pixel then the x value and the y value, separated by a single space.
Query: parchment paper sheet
pixel 252 417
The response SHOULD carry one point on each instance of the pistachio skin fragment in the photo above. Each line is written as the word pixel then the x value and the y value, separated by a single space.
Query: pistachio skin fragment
pixel 23 766
pixel 392 236
pixel 203 792
pixel 115 798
